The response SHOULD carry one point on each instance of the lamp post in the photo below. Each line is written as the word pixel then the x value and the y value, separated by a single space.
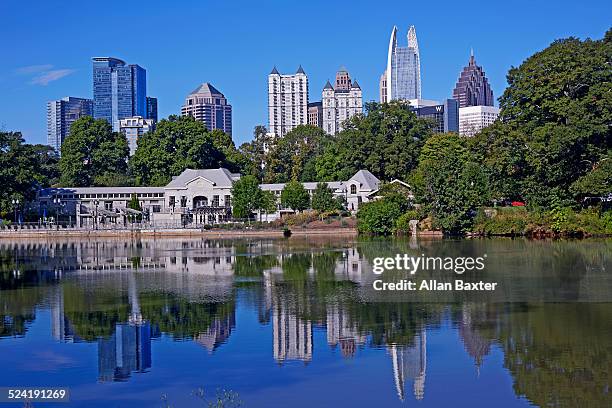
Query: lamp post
pixel 57 203
pixel 15 202
pixel 96 203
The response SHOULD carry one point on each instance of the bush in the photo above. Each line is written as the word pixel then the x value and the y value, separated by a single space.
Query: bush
pixel 505 221
pixel 378 217
pixel 402 225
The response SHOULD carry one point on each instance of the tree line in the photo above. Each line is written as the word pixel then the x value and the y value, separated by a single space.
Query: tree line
pixel 551 147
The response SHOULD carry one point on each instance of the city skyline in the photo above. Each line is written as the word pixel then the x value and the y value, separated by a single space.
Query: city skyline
pixel 39 72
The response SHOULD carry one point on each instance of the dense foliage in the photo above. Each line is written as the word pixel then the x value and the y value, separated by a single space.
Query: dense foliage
pixel 295 196
pixel 246 197
pixel 24 168
pixel 93 155
pixel 180 143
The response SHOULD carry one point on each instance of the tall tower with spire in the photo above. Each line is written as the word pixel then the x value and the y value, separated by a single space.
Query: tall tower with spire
pixel 287 101
pixel 472 88
pixel 402 78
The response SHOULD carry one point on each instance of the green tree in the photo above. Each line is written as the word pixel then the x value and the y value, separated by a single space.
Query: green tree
pixel 453 184
pixel 386 141
pixel 92 154
pixel 24 168
pixel 246 197
pixel 292 157
pixel 134 204
pixel 323 198
pixel 378 217
pixel 295 196
pixel 253 153
pixel 178 143
pixel 560 99
pixel 267 203
pixel 597 182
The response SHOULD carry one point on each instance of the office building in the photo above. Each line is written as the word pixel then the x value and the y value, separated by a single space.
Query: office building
pixel 445 115
pixel 207 104
pixel 133 128
pixel 402 78
pixel 315 114
pixel 473 88
pixel 61 114
pixel 152 108
pixel 340 102
pixel 119 90
pixel 287 101
pixel 472 119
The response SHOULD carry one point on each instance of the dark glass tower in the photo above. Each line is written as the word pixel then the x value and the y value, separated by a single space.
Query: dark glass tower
pixel 473 88
pixel 120 90
pixel 152 108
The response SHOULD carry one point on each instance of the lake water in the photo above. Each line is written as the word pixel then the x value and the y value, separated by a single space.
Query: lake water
pixel 296 323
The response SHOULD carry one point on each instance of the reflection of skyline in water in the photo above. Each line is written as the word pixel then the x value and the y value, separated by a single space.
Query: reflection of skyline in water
pixel 190 293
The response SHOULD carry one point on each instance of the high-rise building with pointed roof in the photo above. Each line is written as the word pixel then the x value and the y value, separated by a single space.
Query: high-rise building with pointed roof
pixel 473 88
pixel 287 101
pixel 207 104
pixel 341 102
pixel 402 78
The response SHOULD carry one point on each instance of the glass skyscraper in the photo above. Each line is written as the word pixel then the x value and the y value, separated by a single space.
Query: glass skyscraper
pixel 120 90
pixel 402 78
pixel 61 114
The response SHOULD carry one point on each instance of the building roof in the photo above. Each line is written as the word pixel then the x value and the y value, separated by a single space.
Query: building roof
pixel 206 89
pixel 367 180
pixel 335 185
pixel 52 191
pixel 342 69
pixel 274 71
pixel 328 85
pixel 355 85
pixel 300 70
pixel 219 177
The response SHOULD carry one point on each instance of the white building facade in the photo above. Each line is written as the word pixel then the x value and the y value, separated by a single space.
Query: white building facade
pixel 340 102
pixel 193 198
pixel 133 128
pixel 472 119
pixel 287 101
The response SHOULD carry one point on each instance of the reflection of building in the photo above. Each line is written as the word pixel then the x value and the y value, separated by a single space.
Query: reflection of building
pixel 475 345
pixel 218 332
pixel 341 331
pixel 402 78
pixel 410 363
pixel 127 351
pixel 292 335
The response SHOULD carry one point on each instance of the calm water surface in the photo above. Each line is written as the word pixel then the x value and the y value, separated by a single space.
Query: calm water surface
pixel 295 323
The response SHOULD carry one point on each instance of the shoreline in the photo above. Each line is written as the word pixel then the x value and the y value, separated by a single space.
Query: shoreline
pixel 178 232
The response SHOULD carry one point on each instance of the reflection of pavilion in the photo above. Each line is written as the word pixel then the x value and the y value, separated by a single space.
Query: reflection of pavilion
pixel 218 332
pixel 128 350
pixel 410 363
pixel 341 331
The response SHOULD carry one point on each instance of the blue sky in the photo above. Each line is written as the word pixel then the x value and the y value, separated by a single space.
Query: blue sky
pixel 47 46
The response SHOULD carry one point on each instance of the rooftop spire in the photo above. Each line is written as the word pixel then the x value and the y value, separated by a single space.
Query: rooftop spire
pixel 300 70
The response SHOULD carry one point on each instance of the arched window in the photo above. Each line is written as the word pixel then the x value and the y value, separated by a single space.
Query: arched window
pixel 353 189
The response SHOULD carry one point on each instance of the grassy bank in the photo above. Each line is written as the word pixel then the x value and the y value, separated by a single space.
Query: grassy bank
pixel 564 222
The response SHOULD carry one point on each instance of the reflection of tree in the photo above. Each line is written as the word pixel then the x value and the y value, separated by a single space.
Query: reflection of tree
pixel 180 317
pixel 94 314
pixel 560 355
